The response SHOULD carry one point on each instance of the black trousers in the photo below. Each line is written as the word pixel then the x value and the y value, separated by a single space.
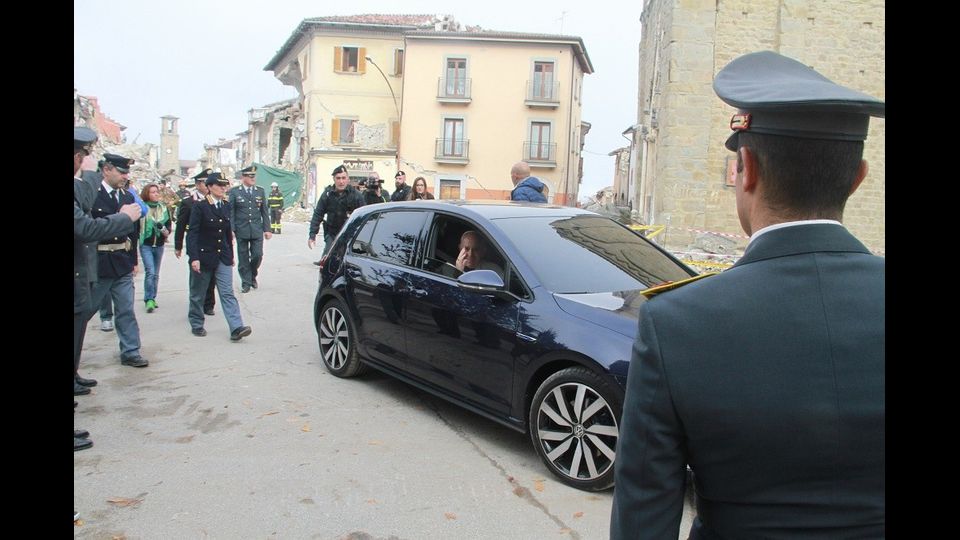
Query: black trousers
pixel 79 331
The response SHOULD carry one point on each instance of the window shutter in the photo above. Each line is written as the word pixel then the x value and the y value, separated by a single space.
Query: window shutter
pixel 337 58
pixel 335 131
pixel 398 62
pixel 362 60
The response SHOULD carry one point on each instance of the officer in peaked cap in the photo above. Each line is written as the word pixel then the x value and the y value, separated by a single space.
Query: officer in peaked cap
pixel 251 225
pixel 182 230
pixel 336 204
pixel 210 250
pixel 776 402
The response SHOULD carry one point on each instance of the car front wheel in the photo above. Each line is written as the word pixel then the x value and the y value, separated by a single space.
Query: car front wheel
pixel 337 341
pixel 574 425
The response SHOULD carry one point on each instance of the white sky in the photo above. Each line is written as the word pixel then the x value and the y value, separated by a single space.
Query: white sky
pixel 202 60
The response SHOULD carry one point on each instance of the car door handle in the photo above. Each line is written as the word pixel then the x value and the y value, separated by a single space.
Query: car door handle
pixel 353 272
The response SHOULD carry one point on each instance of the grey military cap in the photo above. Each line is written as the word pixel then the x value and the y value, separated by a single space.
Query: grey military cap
pixel 777 95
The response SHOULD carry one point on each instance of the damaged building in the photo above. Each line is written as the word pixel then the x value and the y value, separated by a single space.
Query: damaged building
pixel 356 74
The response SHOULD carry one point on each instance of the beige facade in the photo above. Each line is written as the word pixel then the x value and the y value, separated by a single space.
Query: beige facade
pixel 678 160
pixel 349 112
pixel 476 103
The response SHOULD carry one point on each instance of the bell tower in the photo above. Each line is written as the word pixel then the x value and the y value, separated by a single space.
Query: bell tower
pixel 169 146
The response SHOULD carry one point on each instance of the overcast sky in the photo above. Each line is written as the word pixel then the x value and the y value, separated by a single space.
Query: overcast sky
pixel 202 60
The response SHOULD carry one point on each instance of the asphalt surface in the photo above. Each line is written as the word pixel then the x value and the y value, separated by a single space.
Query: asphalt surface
pixel 256 439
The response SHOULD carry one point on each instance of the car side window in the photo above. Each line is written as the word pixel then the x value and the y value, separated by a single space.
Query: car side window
pixel 443 247
pixel 395 236
pixel 361 243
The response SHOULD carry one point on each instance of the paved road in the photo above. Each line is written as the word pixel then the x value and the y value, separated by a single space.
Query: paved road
pixel 256 440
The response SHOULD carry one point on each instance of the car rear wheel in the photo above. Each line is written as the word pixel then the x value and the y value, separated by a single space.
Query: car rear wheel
pixel 574 426
pixel 337 341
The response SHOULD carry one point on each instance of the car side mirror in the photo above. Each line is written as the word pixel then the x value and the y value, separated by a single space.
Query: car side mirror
pixel 485 282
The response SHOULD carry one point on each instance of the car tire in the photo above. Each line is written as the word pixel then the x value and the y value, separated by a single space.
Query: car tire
pixel 337 339
pixel 574 423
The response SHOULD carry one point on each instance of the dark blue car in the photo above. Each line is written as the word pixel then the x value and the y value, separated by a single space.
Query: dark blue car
pixel 538 337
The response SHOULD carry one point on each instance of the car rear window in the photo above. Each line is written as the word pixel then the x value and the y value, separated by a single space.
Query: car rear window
pixel 588 254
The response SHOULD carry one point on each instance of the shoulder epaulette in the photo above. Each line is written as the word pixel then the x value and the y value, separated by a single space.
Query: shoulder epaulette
pixel 670 285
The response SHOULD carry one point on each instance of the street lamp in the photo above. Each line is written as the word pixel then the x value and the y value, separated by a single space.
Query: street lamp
pixel 394 96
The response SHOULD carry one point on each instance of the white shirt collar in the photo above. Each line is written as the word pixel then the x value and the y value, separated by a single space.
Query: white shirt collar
pixel 786 224
pixel 107 186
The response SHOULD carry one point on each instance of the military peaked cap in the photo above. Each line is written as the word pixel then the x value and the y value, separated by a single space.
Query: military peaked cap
pixel 249 171
pixel 217 178
pixel 202 175
pixel 777 95
pixel 121 163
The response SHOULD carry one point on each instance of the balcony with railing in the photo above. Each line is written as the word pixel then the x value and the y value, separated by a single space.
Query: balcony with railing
pixel 540 154
pixel 452 151
pixel 543 94
pixel 453 90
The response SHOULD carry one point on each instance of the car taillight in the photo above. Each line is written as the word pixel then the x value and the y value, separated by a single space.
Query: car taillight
pixel 323 261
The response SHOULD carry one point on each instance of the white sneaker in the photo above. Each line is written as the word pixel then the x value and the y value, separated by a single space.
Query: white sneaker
pixel 106 325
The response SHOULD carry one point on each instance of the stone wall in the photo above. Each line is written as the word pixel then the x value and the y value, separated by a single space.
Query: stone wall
pixel 693 39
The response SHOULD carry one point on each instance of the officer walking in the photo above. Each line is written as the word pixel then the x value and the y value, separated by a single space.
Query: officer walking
pixel 210 250
pixel 336 203
pixel 275 202
pixel 87 231
pixel 183 224
pixel 117 259
pixel 251 224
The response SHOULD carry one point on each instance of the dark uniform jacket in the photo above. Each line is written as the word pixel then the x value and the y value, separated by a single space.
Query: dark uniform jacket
pixel 210 240
pixel 335 205
pixel 114 264
pixel 87 231
pixel 183 221
pixel 768 379
pixel 401 194
pixel 248 214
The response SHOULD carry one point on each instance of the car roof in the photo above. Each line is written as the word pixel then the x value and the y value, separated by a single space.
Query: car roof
pixel 487 209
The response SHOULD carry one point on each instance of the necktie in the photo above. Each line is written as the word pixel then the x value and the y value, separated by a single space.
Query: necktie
pixel 116 196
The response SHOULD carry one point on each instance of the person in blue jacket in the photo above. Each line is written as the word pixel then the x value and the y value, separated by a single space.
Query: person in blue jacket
pixel 526 187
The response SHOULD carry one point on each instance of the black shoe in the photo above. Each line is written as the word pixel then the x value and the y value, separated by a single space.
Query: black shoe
pixel 79 390
pixel 209 312
pixel 199 332
pixel 81 444
pixel 80 434
pixel 316 263
pixel 239 333
pixel 254 284
pixel 245 289
pixel 136 361
pixel 84 382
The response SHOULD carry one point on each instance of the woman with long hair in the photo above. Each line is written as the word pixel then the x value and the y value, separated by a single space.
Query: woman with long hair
pixel 419 190
pixel 155 226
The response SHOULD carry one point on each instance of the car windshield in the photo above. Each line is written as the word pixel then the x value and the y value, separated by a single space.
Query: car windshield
pixel 589 254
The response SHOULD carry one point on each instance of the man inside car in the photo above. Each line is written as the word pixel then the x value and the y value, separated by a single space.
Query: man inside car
pixel 473 252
